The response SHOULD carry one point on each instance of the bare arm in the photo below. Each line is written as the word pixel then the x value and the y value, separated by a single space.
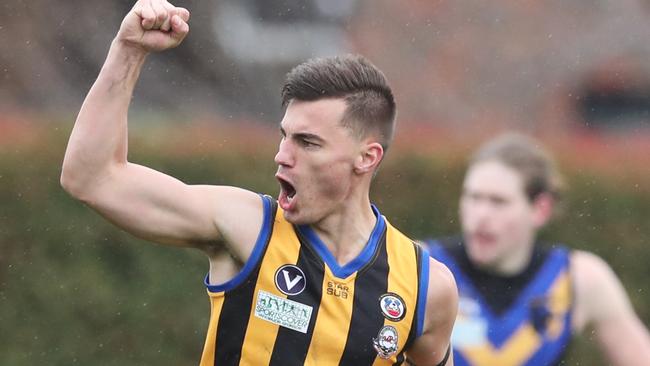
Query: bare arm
pixel 143 201
pixel 601 303
pixel 442 305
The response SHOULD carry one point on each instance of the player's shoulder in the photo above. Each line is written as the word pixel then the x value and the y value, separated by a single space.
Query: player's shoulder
pixel 599 293
pixel 587 262
pixel 442 285
pixel 589 270
pixel 442 298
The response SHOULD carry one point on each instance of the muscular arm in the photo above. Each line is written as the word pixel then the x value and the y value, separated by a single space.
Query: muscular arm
pixel 601 303
pixel 442 305
pixel 143 201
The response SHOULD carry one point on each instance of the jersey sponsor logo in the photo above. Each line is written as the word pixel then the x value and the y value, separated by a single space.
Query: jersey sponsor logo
pixel 470 329
pixel 283 312
pixel 290 279
pixel 386 342
pixel 337 289
pixel 392 306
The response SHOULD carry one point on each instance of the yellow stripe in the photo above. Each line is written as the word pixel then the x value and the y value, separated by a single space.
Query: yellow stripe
pixel 516 351
pixel 283 248
pixel 559 305
pixel 403 281
pixel 327 344
pixel 216 302
pixel 560 294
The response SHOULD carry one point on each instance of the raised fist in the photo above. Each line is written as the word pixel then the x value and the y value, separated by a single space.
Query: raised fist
pixel 154 25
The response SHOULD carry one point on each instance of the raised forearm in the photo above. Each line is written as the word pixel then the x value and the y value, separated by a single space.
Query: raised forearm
pixel 99 139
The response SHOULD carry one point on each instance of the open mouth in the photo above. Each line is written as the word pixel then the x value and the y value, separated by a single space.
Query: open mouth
pixel 484 238
pixel 287 193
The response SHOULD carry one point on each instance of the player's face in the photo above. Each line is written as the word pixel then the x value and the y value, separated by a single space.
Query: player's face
pixel 315 160
pixel 496 216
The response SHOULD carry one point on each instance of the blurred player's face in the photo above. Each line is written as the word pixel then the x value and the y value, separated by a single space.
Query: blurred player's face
pixel 315 160
pixel 498 220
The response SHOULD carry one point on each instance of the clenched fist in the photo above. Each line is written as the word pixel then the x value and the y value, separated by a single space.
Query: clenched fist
pixel 154 25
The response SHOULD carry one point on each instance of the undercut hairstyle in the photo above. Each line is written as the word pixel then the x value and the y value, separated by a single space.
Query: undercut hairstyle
pixel 528 158
pixel 370 103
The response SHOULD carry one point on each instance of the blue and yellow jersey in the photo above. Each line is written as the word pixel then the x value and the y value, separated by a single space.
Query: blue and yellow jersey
pixel 532 328
pixel 293 304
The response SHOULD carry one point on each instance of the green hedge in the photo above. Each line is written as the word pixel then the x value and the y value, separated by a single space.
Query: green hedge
pixel 76 290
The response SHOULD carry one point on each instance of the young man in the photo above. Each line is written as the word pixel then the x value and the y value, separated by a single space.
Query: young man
pixel 318 277
pixel 520 302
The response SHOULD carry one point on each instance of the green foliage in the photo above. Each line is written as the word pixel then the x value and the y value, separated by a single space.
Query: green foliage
pixel 76 290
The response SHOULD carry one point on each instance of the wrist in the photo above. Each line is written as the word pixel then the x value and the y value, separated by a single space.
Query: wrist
pixel 123 64
pixel 128 50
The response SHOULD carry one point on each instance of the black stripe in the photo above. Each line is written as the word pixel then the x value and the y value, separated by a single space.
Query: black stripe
pixel 291 346
pixel 418 262
pixel 235 313
pixel 367 320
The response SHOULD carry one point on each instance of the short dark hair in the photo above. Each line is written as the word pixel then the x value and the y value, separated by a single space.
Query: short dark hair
pixel 369 99
pixel 526 156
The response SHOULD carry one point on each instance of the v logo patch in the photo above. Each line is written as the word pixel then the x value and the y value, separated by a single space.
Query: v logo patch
pixel 290 283
pixel 290 279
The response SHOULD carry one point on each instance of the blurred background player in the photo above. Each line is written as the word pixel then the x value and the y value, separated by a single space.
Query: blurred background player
pixel 521 300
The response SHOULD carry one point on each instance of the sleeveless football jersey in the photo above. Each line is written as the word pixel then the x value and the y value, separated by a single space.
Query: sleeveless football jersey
pixel 293 304
pixel 532 328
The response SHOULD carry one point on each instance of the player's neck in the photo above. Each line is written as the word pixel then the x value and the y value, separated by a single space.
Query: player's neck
pixel 515 261
pixel 346 231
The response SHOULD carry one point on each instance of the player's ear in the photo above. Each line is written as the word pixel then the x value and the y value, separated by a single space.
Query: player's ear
pixel 542 209
pixel 369 157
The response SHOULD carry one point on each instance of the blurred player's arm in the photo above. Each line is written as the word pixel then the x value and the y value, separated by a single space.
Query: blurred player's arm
pixel 431 348
pixel 145 202
pixel 602 304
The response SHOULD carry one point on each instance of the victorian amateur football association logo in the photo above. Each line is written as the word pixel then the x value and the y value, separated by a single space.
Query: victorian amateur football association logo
pixel 290 279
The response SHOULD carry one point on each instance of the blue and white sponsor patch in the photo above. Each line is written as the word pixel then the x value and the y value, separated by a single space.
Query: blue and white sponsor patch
pixel 283 312
pixel 470 329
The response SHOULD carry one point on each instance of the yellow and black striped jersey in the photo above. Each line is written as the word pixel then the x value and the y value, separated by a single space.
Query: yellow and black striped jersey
pixel 293 304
